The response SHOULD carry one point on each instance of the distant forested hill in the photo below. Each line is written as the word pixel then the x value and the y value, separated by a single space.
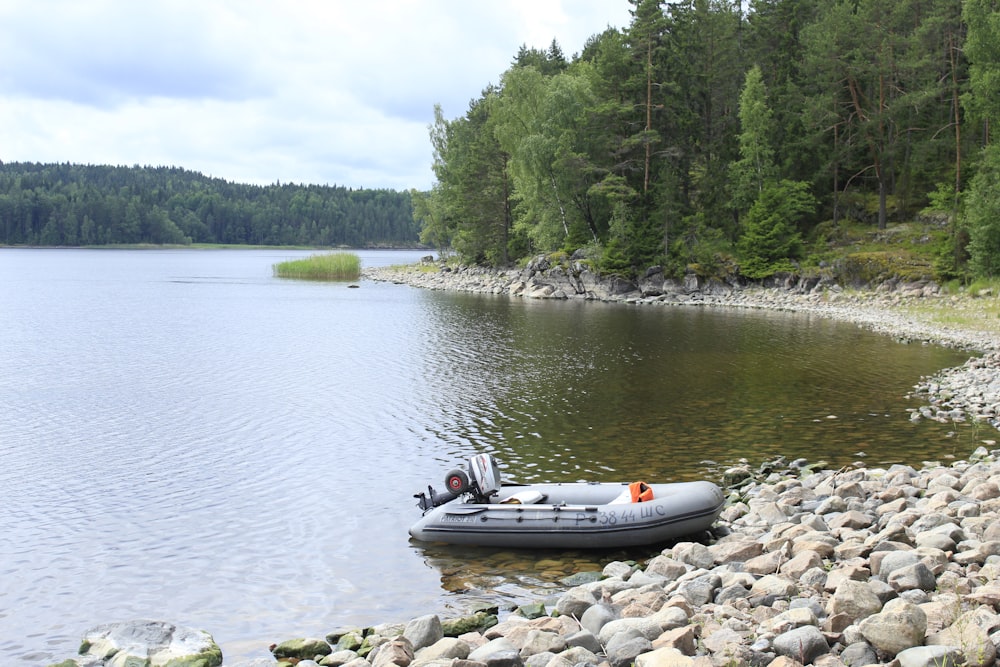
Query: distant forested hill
pixel 72 204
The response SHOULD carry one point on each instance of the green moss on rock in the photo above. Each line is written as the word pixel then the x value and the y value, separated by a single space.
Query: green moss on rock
pixel 350 641
pixel 303 648
pixel 459 626
pixel 210 657
pixel 532 610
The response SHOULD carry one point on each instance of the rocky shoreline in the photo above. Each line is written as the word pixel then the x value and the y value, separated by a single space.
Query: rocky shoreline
pixel 833 568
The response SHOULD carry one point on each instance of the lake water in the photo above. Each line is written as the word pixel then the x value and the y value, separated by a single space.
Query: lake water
pixel 185 437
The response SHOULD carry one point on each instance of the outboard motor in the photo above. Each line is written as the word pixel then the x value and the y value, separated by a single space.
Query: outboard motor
pixel 480 480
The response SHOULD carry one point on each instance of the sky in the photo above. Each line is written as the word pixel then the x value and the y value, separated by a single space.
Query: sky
pixel 329 92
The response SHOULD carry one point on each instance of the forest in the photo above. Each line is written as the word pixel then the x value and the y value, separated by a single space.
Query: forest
pixel 733 136
pixel 72 205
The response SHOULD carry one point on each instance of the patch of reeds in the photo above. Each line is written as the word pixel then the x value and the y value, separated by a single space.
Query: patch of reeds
pixel 331 266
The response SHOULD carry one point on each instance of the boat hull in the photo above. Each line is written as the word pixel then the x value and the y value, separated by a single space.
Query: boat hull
pixel 574 516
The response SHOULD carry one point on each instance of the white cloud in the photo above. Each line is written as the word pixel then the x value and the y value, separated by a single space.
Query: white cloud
pixel 318 91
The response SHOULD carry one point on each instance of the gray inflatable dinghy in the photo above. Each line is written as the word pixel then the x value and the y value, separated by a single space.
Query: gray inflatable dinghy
pixel 478 510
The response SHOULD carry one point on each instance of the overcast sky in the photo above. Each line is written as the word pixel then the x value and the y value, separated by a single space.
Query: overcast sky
pixel 336 92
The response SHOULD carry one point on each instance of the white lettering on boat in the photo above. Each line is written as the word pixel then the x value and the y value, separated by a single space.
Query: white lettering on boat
pixel 630 515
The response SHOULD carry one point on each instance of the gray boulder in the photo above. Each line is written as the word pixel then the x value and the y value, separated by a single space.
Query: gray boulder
pixel 644 627
pixel 804 644
pixel 899 626
pixel 540 641
pixel 894 560
pixel 446 648
pixel 912 577
pixel 700 591
pixel 584 639
pixel 859 653
pixel 625 647
pixel 424 631
pixel 930 656
pixel 575 602
pixel 499 652
pixel 694 554
pixel 855 599
pixel 667 567
pixel 579 654
pixel 596 617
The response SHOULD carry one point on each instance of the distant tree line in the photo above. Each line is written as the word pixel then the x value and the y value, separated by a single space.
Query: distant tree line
pixel 711 132
pixel 72 204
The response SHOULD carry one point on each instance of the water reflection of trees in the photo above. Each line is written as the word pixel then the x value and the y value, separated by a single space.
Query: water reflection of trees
pixel 574 390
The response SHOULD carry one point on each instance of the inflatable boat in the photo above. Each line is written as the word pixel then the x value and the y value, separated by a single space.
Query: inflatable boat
pixel 477 509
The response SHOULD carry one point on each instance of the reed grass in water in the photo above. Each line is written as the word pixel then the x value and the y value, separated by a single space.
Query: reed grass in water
pixel 333 266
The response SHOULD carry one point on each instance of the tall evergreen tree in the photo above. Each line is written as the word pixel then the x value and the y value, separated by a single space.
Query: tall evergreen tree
pixel 982 47
pixel 756 164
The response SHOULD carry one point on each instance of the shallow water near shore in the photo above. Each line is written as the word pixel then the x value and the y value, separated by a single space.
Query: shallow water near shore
pixel 185 437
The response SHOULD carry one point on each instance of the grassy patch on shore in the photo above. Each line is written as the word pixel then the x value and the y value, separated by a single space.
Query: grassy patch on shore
pixel 969 313
pixel 332 266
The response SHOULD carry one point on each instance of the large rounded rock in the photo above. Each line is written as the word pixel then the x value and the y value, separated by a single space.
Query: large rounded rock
pixel 895 560
pixel 394 653
pixel 575 602
pixel 499 652
pixel 155 642
pixel 596 617
pixel 912 577
pixel 860 653
pixel 446 648
pixel 663 657
pixel 930 656
pixel 625 647
pixel 854 599
pixel 666 567
pixel 772 584
pixel 694 554
pixel 805 644
pixel 424 631
pixel 539 641
pixel 641 626
pixel 701 590
pixel 899 626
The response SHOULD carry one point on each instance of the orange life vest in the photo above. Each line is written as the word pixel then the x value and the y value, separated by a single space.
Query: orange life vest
pixel 641 492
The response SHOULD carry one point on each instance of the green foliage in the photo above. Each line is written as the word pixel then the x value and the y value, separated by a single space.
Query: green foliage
pixel 866 268
pixel 700 245
pixel 331 266
pixel 64 204
pixel 756 164
pixel 474 195
pixel 770 239
pixel 982 47
pixel 657 143
pixel 942 199
pixel 982 215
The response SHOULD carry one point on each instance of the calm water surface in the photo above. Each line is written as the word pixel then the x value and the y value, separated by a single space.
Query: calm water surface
pixel 185 437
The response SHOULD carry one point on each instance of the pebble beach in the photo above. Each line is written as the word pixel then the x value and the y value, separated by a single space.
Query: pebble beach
pixel 805 566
